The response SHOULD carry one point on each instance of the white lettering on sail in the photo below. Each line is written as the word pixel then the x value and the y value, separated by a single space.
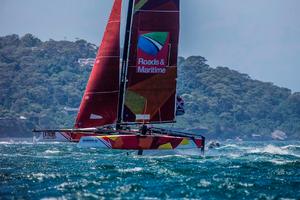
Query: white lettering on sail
pixel 148 62
pixel 151 70
pixel 154 66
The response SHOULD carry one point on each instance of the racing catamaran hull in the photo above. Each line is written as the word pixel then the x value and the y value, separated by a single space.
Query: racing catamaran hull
pixel 145 144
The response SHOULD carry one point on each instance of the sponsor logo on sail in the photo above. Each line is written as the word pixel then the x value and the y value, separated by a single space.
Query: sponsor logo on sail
pixel 152 54
pixel 142 117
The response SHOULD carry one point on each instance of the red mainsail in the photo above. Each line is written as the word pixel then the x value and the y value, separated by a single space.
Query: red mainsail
pixel 100 101
pixel 152 68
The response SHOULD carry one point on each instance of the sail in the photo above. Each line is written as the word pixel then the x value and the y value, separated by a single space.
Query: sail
pixel 100 101
pixel 152 69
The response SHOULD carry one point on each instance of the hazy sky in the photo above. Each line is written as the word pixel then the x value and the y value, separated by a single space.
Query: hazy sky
pixel 257 37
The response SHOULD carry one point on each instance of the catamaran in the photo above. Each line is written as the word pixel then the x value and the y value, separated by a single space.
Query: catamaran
pixel 125 98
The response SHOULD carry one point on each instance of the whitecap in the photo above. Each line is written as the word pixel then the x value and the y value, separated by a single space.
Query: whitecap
pixel 135 169
pixel 15 142
pixel 246 184
pixel 291 146
pixel 204 183
pixel 229 146
pixel 41 176
pixel 281 162
pixel 6 142
pixel 234 155
pixel 234 167
pixel 52 151
pixel 167 172
pixel 271 149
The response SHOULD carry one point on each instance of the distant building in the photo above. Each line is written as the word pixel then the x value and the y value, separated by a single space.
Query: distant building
pixel 22 117
pixel 71 109
pixel 86 62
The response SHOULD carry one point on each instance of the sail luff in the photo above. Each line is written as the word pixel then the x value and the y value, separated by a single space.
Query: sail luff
pixel 99 104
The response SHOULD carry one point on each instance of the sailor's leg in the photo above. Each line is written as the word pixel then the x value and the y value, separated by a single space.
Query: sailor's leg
pixel 140 152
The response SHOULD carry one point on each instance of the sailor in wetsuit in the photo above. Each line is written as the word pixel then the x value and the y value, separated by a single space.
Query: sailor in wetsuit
pixel 179 106
pixel 144 129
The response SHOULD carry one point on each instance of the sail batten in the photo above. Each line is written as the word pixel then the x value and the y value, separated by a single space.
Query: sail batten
pixel 99 104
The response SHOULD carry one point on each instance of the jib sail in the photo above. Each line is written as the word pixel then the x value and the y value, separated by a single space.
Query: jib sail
pixel 100 101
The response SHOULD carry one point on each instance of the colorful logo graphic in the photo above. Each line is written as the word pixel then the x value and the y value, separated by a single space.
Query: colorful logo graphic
pixel 152 43
pixel 152 54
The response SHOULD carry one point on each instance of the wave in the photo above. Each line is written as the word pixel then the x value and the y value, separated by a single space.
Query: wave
pixel 52 151
pixel 276 150
pixel 15 142
pixel 204 183
pixel 281 162
pixel 234 151
pixel 135 169
pixel 291 147
pixel 6 142
pixel 42 176
pixel 229 146
pixel 271 149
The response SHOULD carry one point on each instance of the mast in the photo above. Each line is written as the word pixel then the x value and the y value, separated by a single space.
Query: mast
pixel 124 64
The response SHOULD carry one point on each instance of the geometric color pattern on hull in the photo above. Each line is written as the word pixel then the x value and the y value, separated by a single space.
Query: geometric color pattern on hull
pixel 60 136
pixel 141 142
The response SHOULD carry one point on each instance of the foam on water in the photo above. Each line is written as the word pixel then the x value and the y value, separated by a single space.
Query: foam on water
pixel 204 183
pixel 281 161
pixel 15 142
pixel 292 147
pixel 229 146
pixel 135 169
pixel 271 149
pixel 53 151
pixel 6 142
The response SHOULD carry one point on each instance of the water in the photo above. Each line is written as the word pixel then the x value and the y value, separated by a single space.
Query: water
pixel 246 170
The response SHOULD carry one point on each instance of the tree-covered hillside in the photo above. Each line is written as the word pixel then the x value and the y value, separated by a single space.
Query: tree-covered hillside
pixel 230 104
pixel 39 81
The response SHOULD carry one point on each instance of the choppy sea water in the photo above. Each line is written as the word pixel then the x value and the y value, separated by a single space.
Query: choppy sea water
pixel 244 170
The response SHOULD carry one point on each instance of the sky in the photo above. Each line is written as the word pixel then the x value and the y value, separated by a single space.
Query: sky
pixel 257 37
